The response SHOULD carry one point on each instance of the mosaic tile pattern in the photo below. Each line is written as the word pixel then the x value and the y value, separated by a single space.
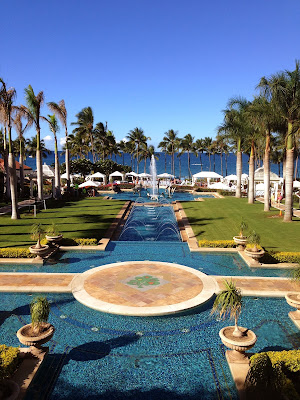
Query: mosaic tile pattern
pixel 111 285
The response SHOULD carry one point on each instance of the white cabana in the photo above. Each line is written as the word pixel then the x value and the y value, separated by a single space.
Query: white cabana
pixel 131 176
pixel 144 175
pixel 259 175
pixel 165 176
pixel 208 175
pixel 89 184
pixel 296 185
pixel 98 176
pixel 116 176
pixel 231 177
pixel 48 172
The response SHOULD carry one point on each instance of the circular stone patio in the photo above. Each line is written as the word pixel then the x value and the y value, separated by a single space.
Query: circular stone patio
pixel 143 288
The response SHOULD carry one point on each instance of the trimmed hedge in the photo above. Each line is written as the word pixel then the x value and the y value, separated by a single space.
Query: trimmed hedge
pixel 217 243
pixel 8 360
pixel 79 242
pixel 15 252
pixel 286 256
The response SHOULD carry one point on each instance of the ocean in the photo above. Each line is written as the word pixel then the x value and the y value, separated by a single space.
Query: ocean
pixel 160 163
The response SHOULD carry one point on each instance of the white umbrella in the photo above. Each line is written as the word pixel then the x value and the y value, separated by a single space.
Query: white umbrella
pixel 47 171
pixel 165 175
pixel 89 184
pixel 231 177
pixel 131 174
pixel 98 175
pixel 143 175
pixel 296 184
pixel 245 176
pixel 207 174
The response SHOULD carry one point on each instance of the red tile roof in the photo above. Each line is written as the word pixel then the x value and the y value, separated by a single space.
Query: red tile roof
pixel 26 168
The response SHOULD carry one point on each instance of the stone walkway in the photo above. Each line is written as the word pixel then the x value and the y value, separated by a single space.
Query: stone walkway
pixel 280 207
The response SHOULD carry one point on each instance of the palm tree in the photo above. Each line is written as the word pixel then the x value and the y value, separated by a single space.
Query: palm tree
pixel 20 129
pixel 6 100
pixel 85 127
pixel 283 91
pixel 32 113
pixel 54 128
pixel 77 146
pixel 3 120
pixel 207 141
pixel 147 152
pixel 229 303
pixel 163 145
pixel 138 138
pixel 130 149
pixel 59 109
pixel 199 148
pixel 100 139
pixel 170 139
pixel 236 127
pixel 223 147
pixel 31 146
pixel 187 144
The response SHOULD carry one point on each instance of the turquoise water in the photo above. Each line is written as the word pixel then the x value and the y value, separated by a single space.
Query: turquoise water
pixel 228 264
pixel 151 223
pixel 163 197
pixel 101 356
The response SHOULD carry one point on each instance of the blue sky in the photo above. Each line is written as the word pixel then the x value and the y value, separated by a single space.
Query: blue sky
pixel 157 65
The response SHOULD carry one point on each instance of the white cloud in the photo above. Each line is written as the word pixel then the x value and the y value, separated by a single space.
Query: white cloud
pixel 62 141
pixel 48 138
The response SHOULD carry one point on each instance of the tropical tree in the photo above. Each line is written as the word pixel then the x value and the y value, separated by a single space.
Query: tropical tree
pixel 6 104
pixel 20 129
pixel 199 148
pixel 100 139
pixel 187 144
pixel 85 127
pixel 147 152
pixel 283 91
pixel 77 146
pixel 31 146
pixel 170 139
pixel 236 128
pixel 207 141
pixel 163 145
pixel 3 121
pixel 54 128
pixel 59 109
pixel 223 148
pixel 137 137
pixel 32 113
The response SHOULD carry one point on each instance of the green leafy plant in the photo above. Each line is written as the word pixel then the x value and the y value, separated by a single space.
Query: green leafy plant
pixel 295 274
pixel 37 233
pixel 39 311
pixel 228 303
pixel 52 230
pixel 243 228
pixel 8 360
pixel 253 241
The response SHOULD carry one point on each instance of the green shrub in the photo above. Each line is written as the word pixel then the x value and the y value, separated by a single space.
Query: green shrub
pixel 286 256
pixel 15 252
pixel 226 193
pixel 217 243
pixel 79 242
pixel 8 360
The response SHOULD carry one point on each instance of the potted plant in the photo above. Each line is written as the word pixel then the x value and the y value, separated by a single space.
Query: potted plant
pixel 293 298
pixel 37 232
pixel 253 248
pixel 52 234
pixel 228 303
pixel 39 331
pixel 241 240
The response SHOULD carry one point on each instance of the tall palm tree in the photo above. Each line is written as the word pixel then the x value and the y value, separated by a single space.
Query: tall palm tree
pixel 59 109
pixel 283 91
pixel 163 145
pixel 236 127
pixel 54 128
pixel 207 141
pixel 138 138
pixel 31 146
pixel 100 132
pixel 85 127
pixel 3 120
pixel 170 138
pixel 20 129
pixel 32 112
pixel 199 148
pixel 147 152
pixel 6 103
pixel 223 148
pixel 187 145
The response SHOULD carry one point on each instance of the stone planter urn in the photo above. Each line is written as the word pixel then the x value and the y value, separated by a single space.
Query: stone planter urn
pixel 54 238
pixel 9 390
pixel 241 241
pixel 28 337
pixel 255 255
pixel 238 345
pixel 293 299
pixel 39 251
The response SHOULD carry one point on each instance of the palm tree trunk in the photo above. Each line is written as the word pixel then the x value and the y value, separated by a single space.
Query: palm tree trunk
pixel 5 160
pixel 221 160
pixel 214 162
pixel 57 193
pixel 12 175
pixel 67 161
pixel 165 162
pixel 296 167
pixel 179 161
pixel 39 167
pixel 209 161
pixel 289 173
pixel 239 167
pixel 226 172
pixel 267 172
pixel 251 176
pixel 21 162
pixel 137 160
pixel 200 159
pixel 189 165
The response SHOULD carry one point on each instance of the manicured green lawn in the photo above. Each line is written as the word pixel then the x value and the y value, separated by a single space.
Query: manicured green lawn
pixel 216 219
pixel 87 218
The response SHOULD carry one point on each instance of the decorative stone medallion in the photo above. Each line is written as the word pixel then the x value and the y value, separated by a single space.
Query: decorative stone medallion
pixel 144 282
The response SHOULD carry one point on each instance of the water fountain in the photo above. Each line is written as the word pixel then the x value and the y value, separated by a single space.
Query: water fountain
pixel 153 173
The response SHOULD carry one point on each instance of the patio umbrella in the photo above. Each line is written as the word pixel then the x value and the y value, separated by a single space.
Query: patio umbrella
pixel 165 175
pixel 89 184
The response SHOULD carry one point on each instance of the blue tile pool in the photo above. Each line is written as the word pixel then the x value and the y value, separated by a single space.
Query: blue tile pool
pixel 228 264
pixel 102 356
pixel 163 196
